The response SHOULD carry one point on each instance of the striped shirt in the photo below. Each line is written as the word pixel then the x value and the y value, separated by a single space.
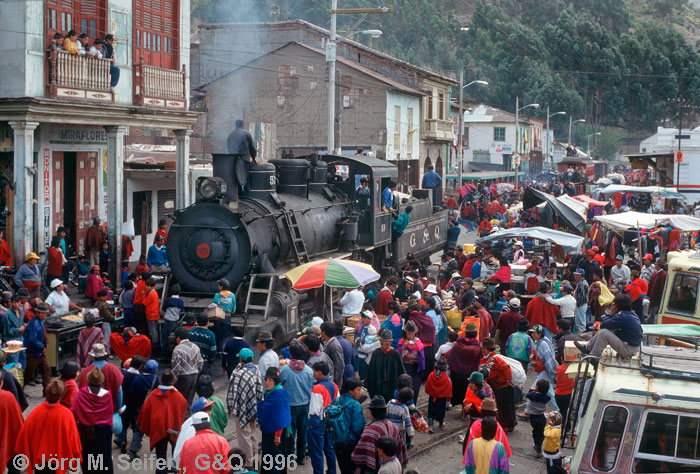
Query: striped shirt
pixel 398 413
pixel 187 359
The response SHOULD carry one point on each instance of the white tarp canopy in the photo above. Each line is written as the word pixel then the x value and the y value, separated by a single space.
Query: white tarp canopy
pixel 569 242
pixel 626 220
pixel 669 193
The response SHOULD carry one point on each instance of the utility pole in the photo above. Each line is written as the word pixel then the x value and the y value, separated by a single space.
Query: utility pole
pixel 517 137
pixel 330 61
pixel 549 142
pixel 460 150
pixel 680 131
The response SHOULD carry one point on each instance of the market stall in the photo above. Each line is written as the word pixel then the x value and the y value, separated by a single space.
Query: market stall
pixel 568 215
pixel 570 243
pixel 622 222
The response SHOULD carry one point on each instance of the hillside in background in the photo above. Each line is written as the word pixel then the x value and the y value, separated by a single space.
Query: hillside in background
pixel 619 65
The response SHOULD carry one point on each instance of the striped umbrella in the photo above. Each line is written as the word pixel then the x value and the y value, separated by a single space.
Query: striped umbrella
pixel 330 272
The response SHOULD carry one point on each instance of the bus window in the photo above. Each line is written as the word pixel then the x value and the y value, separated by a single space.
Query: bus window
pixel 610 434
pixel 669 443
pixel 683 294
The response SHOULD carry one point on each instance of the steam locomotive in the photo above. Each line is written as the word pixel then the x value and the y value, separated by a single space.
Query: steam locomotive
pixel 297 210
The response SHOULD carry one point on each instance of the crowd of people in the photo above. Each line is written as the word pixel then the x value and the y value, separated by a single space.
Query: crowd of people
pixel 79 45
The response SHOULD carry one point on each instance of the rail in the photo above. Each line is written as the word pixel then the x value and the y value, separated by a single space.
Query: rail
pixel 78 72
pixel 160 86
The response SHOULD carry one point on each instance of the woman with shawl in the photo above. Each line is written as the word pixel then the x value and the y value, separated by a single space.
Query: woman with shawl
pixel 411 349
pixel 275 418
pixel 94 283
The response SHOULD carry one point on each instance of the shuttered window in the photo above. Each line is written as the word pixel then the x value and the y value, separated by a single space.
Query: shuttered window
pixel 156 23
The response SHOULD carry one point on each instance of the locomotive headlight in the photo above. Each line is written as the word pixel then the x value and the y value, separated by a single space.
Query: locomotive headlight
pixel 209 188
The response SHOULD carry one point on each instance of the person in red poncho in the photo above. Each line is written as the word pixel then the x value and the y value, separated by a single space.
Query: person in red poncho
pixel 92 409
pixel 488 408
pixel 385 296
pixel 541 312
pixel 11 421
pixel 130 343
pixel 206 444
pixel 499 378
pixel 162 416
pixel 5 254
pixel 438 387
pixel 49 435
pixel 502 276
pixel 637 291
pixel 113 376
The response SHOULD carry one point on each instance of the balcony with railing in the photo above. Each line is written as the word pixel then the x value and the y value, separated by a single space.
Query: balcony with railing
pixel 78 77
pixel 435 129
pixel 160 87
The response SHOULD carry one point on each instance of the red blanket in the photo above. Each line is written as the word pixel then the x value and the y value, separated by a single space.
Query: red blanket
pixel 50 431
pixel 161 412
pixel 438 386
pixel 91 409
pixel 138 345
pixel 11 421
pixel 541 312
pixel 113 380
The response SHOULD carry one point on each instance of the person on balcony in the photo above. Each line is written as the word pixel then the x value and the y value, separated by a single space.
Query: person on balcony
pixel 108 53
pixel 95 50
pixel 82 44
pixel 70 43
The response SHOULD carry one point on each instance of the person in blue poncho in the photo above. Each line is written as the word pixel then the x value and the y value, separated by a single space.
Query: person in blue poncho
pixel 275 418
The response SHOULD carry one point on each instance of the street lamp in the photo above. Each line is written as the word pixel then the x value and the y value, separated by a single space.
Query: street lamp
pixel 571 123
pixel 517 132
pixel 588 148
pixel 461 122
pixel 549 141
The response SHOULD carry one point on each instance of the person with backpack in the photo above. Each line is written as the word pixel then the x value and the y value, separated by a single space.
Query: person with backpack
pixel 318 435
pixel 298 380
pixel 347 423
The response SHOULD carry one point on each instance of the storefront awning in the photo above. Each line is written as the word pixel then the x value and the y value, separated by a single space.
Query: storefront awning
pixel 569 242
pixel 571 217
pixel 621 222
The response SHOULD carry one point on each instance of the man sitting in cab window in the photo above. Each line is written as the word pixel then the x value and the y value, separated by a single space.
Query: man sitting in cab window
pixel 388 197
pixel 622 331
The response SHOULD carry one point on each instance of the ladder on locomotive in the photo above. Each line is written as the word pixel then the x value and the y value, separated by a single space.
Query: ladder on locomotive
pixel 300 253
pixel 257 302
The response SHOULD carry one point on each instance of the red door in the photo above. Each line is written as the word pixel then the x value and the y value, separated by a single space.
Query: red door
pixel 156 26
pixel 83 16
pixel 86 196
pixel 58 191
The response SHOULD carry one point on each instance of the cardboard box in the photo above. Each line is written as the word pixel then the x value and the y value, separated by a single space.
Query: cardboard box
pixel 571 352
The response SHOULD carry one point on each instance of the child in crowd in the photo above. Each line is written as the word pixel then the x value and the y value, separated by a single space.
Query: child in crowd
pixel 104 257
pixel 83 272
pixel 538 403
pixel 475 395
pixel 393 323
pixel 387 448
pixel 397 411
pixel 368 344
pixel 142 266
pixel 439 391
pixel 106 281
pixel 444 349
pixel 552 439
pixel 564 389
pixel 519 347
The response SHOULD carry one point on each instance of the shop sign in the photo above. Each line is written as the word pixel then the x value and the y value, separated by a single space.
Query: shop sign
pixel 79 135
pixel 46 191
pixel 504 148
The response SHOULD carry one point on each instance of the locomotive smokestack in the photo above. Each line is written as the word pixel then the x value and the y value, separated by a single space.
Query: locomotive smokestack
pixel 224 166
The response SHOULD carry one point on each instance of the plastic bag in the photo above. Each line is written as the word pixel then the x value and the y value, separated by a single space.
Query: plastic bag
pixel 116 423
pixel 518 375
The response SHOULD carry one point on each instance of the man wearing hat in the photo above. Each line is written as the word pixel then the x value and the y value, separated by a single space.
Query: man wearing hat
pixel 619 272
pixel 93 411
pixel 205 388
pixel 566 304
pixel 187 363
pixel 58 301
pixel 365 454
pixel 499 377
pixel 268 357
pixel 35 342
pixel 134 398
pixel 93 241
pixel 486 324
pixel 463 359
pixel 245 390
pixel 648 269
pixel 28 275
pixel 88 337
pixel 656 288
pixel 519 253
pixel 545 363
pixel 205 445
pixel 162 416
pixel 5 300
pixel 187 430
pixel 12 326
pixel 581 297
pixel 47 423
pixel 507 323
pixel 488 408
pixel 113 376
pixel 589 265
pixel 384 368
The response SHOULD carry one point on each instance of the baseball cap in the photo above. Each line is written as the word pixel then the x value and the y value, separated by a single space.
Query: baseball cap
pixel 200 418
pixel 580 271
pixel 538 328
pixel 514 303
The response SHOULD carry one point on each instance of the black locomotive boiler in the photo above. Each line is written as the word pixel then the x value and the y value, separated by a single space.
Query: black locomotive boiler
pixel 296 211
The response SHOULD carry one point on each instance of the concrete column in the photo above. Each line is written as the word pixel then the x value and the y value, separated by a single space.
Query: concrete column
pixel 115 197
pixel 182 169
pixel 24 172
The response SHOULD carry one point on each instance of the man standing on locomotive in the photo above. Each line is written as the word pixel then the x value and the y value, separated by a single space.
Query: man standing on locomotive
pixel 432 180
pixel 240 144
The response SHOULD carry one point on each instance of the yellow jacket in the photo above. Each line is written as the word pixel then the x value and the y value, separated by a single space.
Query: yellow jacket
pixel 552 438
pixel 70 46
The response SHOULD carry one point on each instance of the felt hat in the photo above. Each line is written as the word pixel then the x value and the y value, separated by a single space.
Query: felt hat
pixel 41 308
pixel 489 404
pixel 264 336
pixel 273 373
pixel 410 327
pixel 23 293
pixel 412 301
pixel 168 377
pixel 476 377
pixel 6 296
pixel 470 327
pixel 456 275
pixel 95 377
pixel 98 350
pixel 201 404
pixel 55 283
pixel 483 299
pixel 488 343
pixel 386 336
pixel 377 402
pixel 430 289
pixel 441 364
pixel 409 279
pixel 55 390
pixel 523 324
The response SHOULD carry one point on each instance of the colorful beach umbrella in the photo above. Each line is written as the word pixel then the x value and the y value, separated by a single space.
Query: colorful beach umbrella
pixel 330 272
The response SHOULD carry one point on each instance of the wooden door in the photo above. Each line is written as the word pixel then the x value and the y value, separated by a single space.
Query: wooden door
pixel 86 196
pixel 83 16
pixel 156 37
pixel 58 191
